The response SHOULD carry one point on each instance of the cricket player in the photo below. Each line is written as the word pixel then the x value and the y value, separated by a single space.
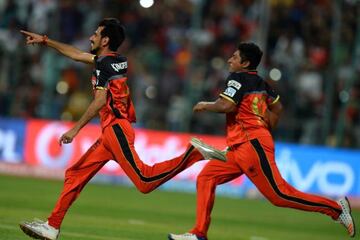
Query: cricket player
pixel 252 108
pixel 113 103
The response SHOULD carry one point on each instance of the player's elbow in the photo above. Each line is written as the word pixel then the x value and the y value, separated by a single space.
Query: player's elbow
pixel 100 97
pixel 276 108
pixel 224 106
pixel 227 108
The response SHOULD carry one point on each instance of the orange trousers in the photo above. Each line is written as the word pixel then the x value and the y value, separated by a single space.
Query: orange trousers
pixel 117 143
pixel 255 159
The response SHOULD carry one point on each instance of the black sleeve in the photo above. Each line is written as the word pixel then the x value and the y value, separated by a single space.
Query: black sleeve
pixel 103 73
pixel 234 89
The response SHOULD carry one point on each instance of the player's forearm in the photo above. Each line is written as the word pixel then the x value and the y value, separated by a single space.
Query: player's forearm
pixel 219 106
pixel 273 119
pixel 89 114
pixel 214 107
pixel 70 51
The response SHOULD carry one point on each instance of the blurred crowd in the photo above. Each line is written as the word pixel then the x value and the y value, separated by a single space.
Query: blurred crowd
pixel 178 51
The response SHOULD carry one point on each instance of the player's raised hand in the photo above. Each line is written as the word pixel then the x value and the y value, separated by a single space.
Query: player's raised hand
pixel 34 38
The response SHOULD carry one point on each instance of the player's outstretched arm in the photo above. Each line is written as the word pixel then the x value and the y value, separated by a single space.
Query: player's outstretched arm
pixel 65 49
pixel 221 105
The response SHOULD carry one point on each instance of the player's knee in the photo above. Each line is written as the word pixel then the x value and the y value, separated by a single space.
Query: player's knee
pixel 69 176
pixel 68 173
pixel 144 190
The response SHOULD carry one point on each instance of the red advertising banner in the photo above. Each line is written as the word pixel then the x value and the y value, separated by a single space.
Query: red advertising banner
pixel 43 150
pixel 319 170
pixel 42 147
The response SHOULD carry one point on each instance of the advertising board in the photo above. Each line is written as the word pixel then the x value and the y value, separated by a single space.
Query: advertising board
pixel 320 170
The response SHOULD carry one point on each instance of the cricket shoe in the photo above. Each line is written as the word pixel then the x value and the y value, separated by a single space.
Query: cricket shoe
pixel 208 151
pixel 345 217
pixel 185 236
pixel 38 229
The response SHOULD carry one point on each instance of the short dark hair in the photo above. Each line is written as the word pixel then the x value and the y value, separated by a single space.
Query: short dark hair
pixel 250 52
pixel 114 30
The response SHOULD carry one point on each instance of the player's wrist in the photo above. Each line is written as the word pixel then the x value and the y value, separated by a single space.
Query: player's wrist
pixel 44 40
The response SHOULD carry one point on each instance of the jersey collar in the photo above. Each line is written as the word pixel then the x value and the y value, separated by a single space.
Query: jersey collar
pixel 253 72
pixel 108 54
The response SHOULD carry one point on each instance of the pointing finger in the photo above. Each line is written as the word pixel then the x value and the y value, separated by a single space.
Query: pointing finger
pixel 25 32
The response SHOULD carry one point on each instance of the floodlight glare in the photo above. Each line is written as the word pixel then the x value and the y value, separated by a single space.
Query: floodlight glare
pixel 146 3
pixel 275 74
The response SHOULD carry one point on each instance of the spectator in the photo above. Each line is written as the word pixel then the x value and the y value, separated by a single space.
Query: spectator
pixel 175 59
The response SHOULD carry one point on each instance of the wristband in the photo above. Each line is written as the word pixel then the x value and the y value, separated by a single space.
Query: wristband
pixel 44 40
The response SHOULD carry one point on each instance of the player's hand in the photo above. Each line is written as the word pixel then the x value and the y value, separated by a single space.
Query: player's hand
pixel 199 107
pixel 33 38
pixel 68 137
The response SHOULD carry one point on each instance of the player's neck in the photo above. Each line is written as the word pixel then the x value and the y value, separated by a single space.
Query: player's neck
pixel 105 51
pixel 247 70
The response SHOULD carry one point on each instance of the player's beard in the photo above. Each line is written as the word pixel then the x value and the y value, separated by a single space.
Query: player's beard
pixel 95 50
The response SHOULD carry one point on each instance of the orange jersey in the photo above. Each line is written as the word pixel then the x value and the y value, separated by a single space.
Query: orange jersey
pixel 110 74
pixel 252 95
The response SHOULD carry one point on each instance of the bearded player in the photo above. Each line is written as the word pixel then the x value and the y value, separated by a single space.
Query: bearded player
pixel 113 103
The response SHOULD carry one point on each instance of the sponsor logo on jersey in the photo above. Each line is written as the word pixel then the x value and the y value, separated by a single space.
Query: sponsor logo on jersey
pixel 119 66
pixel 230 92
pixel 235 84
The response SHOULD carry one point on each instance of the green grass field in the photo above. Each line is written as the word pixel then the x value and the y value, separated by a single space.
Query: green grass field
pixel 109 212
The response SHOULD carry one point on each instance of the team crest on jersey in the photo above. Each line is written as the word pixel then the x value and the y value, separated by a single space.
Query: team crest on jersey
pixel 235 84
pixel 230 92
